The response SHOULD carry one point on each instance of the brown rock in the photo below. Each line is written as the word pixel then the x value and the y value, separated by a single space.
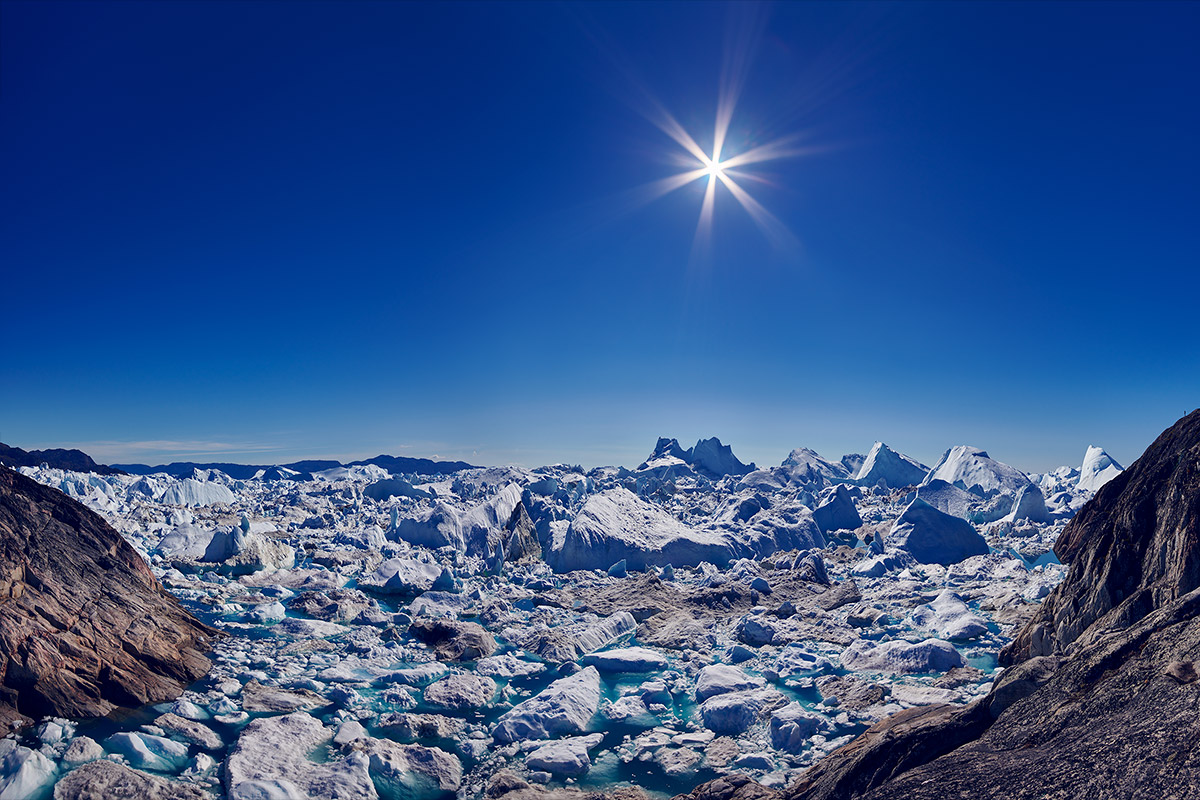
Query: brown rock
pixel 731 787
pixel 84 625
pixel 452 640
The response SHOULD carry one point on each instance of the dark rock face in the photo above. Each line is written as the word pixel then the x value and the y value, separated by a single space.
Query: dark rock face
pixel 1101 697
pixel 1134 548
pixel 84 625
pixel 74 460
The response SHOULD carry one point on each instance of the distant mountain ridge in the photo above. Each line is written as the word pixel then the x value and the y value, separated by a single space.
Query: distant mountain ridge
pixel 73 460
pixel 393 464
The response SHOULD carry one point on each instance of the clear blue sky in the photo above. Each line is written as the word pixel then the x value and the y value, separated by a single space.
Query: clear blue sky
pixel 265 231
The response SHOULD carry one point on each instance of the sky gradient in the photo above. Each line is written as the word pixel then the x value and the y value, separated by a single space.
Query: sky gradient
pixel 260 232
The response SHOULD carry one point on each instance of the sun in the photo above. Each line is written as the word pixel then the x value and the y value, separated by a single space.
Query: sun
pixel 713 168
pixel 725 170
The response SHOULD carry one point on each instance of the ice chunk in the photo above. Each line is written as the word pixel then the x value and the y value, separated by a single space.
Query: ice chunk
pixel 931 655
pixel 401 576
pixel 734 712
pixel 948 617
pixel 932 537
pixel 627 660
pixel 617 524
pixel 565 706
pixel 837 511
pixel 149 752
pixel 895 469
pixel 566 756
pixel 23 772
pixel 271 760
pixel 718 679
pixel 975 471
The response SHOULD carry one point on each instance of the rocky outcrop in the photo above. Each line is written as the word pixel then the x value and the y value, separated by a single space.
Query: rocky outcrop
pixel 72 460
pixel 84 625
pixel 1099 699
pixel 452 640
pixel 1133 549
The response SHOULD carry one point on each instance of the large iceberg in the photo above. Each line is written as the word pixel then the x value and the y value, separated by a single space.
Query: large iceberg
pixel 565 706
pixel 1098 469
pixel 975 471
pixel 932 537
pixel 894 469
pixel 617 525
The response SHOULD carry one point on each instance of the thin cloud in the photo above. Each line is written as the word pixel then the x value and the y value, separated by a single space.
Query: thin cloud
pixel 167 449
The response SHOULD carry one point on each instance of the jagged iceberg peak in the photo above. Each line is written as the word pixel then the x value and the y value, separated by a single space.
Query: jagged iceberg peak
pixel 708 456
pixel 667 452
pixel 810 462
pixel 893 468
pixel 972 469
pixel 1098 469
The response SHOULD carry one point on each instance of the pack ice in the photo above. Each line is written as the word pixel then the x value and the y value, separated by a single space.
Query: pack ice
pixel 426 636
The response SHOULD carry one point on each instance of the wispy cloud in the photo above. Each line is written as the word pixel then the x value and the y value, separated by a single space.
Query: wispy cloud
pixel 167 450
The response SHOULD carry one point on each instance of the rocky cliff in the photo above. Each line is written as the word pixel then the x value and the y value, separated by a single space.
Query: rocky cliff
pixel 84 625
pixel 1100 696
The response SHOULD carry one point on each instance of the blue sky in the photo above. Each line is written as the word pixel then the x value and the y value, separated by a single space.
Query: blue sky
pixel 260 232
